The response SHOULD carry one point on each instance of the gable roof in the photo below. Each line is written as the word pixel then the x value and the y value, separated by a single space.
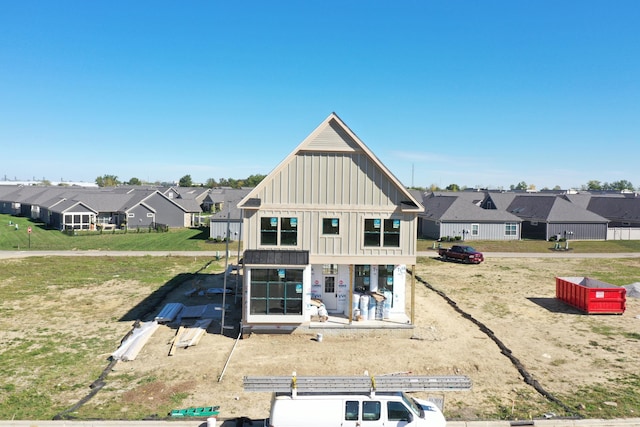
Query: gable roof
pixel 550 209
pixel 334 136
pixel 625 209
pixel 454 207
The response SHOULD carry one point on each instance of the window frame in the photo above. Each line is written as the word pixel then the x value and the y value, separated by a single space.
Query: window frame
pixel 382 233
pixel 279 231
pixel 276 291
pixel 328 227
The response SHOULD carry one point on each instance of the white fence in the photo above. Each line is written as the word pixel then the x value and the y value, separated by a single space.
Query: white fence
pixel 619 233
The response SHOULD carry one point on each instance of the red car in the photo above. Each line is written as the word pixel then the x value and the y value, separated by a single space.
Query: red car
pixel 461 253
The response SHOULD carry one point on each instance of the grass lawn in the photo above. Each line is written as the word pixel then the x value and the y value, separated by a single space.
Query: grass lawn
pixel 197 239
pixel 61 317
pixel 42 239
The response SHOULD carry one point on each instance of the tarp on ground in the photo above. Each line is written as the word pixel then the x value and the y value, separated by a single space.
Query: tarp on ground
pixel 132 345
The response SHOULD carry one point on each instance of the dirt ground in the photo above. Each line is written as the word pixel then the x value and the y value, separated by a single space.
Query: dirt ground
pixel 561 348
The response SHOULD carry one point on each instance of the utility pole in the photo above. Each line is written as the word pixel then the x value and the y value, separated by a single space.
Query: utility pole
pixel 226 265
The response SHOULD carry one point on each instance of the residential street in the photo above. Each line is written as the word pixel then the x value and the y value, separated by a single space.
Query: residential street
pixel 212 254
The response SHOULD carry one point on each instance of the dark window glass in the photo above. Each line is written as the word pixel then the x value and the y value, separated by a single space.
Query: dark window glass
pixel 392 233
pixel 351 410
pixel 276 291
pixel 288 231
pixel 362 278
pixel 372 232
pixel 370 410
pixel 396 411
pixel 330 226
pixel 268 231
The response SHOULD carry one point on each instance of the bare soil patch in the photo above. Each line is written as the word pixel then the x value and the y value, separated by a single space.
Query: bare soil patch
pixel 563 349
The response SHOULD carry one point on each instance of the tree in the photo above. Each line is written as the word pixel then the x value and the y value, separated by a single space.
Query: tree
pixel 621 185
pixel 134 181
pixel 185 181
pixel 453 187
pixel 593 185
pixel 520 186
pixel 211 183
pixel 107 181
pixel 254 180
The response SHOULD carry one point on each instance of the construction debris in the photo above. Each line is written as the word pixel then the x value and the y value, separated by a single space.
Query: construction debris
pixel 132 345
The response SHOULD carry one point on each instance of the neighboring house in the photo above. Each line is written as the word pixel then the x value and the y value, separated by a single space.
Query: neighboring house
pixel 110 208
pixel 623 213
pixel 71 215
pixel 227 219
pixel 459 215
pixel 145 209
pixel 549 216
pixel 331 223
pixel 193 198
pixel 16 200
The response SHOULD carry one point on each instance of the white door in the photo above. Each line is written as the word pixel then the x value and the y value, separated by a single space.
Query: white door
pixel 330 293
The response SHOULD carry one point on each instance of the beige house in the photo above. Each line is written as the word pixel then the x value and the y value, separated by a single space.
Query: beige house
pixel 329 223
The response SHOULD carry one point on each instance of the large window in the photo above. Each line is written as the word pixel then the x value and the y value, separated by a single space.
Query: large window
pixel 288 231
pixel 382 233
pixel 385 277
pixel 77 221
pixel 330 226
pixel 362 277
pixel 283 231
pixel 269 231
pixel 372 232
pixel 391 233
pixel 276 291
pixel 510 229
pixel 385 281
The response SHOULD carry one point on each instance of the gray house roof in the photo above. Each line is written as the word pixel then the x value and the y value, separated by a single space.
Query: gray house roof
pixel 499 201
pixel 454 207
pixel 229 197
pixel 619 209
pixel 543 208
pixel 72 205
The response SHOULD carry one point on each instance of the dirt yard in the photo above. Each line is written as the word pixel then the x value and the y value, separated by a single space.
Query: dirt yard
pixel 568 353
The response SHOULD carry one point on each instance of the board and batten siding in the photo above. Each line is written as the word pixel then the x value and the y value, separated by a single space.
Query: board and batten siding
pixel 350 241
pixel 486 231
pixel 331 179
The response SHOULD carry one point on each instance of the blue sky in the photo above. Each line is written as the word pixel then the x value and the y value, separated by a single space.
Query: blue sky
pixel 477 93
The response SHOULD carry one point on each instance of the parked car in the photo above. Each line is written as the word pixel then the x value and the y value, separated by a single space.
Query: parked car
pixel 461 253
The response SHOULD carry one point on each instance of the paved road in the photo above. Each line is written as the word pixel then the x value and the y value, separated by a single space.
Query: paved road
pixel 559 254
pixel 213 254
pixel 24 254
